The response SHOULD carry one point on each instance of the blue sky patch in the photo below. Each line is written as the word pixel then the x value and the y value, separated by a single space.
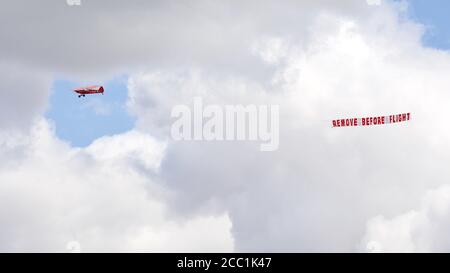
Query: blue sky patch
pixel 435 16
pixel 82 120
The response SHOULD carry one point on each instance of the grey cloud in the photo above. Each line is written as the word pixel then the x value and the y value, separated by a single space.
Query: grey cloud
pixel 104 37
pixel 24 93
pixel 317 192
pixel 98 196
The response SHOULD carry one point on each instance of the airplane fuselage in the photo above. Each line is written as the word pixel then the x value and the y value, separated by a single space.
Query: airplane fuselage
pixel 89 90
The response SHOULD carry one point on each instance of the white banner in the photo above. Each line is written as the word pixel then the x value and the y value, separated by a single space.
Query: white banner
pixel 370 121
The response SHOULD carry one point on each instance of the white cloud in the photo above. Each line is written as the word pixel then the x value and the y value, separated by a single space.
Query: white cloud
pixel 98 106
pixel 24 94
pixel 317 192
pixel 140 191
pixel 424 229
pixel 102 197
pixel 373 2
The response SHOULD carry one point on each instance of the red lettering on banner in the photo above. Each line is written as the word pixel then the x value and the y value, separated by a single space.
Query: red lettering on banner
pixel 367 121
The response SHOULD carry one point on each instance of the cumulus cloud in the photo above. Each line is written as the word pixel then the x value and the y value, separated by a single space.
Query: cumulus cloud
pixel 424 229
pixel 317 192
pixel 101 37
pixel 323 190
pixel 22 100
pixel 103 197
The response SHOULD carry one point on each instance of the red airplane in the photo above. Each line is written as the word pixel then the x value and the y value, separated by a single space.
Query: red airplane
pixel 94 89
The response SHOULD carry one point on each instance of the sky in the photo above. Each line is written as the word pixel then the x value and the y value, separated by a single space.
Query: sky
pixel 102 174
pixel 435 19
pixel 81 122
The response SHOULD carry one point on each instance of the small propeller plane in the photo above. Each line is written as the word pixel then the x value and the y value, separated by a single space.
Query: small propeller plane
pixel 94 89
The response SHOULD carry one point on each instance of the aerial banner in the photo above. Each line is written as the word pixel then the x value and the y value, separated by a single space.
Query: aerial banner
pixel 371 121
